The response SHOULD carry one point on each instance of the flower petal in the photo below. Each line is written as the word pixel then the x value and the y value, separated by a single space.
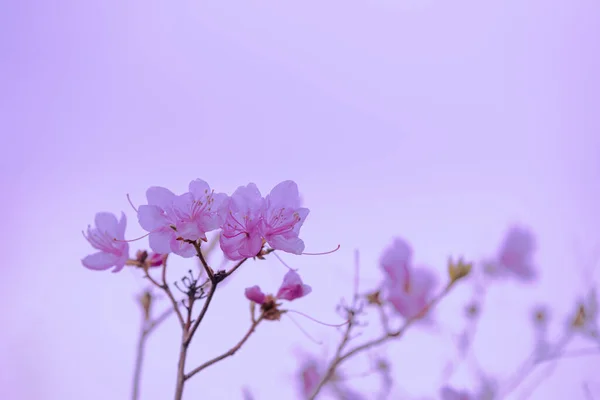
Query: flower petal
pixel 107 222
pixel 159 196
pixel 292 287
pixel 151 218
pixel 121 227
pixel 255 294
pixel 286 193
pixel 287 243
pixel 99 261
pixel 160 241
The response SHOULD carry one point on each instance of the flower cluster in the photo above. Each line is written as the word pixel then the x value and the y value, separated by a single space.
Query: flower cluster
pixel 175 223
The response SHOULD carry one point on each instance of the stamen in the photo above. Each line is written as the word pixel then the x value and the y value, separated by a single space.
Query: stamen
pixel 132 240
pixel 322 254
pixel 131 203
pixel 283 262
pixel 319 322
pixel 312 339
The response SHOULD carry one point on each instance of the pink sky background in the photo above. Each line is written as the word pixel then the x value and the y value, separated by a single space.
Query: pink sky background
pixel 439 121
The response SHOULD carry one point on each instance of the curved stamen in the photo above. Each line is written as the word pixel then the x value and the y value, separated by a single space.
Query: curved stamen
pixel 131 203
pixel 133 240
pixel 283 262
pixel 324 253
pixel 317 321
pixel 312 339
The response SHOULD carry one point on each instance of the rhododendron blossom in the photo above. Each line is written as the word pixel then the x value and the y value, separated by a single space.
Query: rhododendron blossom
pixel 447 393
pixel 109 237
pixel 251 220
pixel 171 219
pixel 408 289
pixel 516 253
pixel 291 288
pixel 241 237
pixel 283 217
pixel 309 377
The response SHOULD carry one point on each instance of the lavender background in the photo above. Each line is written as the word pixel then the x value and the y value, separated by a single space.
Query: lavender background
pixel 442 122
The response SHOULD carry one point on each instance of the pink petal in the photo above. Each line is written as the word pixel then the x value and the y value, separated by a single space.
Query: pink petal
pixel 151 218
pixel 303 214
pixel 447 393
pixel 422 281
pixel 396 259
pixel 121 227
pixel 199 188
pixel 159 196
pixel 289 244
pixel 292 287
pixel 107 222
pixel 160 241
pixel 181 248
pixel 99 261
pixel 240 246
pixel 516 252
pixel 255 294
pixel 285 193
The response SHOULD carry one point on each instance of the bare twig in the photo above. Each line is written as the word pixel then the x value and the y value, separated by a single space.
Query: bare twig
pixel 339 358
pixel 530 365
pixel 228 353
pixel 165 287
pixel 145 331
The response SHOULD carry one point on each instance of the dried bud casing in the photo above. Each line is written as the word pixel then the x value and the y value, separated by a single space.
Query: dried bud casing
pixel 459 269
pixel 146 303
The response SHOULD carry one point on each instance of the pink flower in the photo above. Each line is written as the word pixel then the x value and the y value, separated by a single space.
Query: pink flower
pixel 310 376
pixel 155 260
pixel 396 259
pixel 113 253
pixel 255 294
pixel 170 218
pixel 516 253
pixel 408 289
pixel 291 288
pixel 311 372
pixel 282 218
pixel 241 237
pixel 447 393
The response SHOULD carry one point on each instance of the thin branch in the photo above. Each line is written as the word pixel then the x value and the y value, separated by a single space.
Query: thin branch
pixel 587 391
pixel 531 363
pixel 228 353
pixel 235 267
pixel 145 331
pixel 188 338
pixel 165 287
pixel 207 269
pixel 139 360
pixel 339 358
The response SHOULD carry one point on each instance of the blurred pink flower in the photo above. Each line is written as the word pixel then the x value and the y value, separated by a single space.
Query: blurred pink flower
pixel 447 393
pixel 240 237
pixel 396 259
pixel 516 253
pixel 282 218
pixel 113 253
pixel 408 289
pixel 292 288
pixel 310 376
